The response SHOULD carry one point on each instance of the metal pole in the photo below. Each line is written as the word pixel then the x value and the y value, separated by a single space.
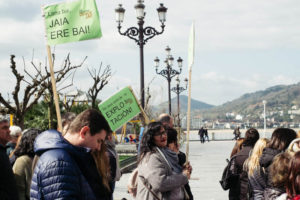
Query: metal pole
pixel 169 90
pixel 264 119
pixel 141 44
pixel 178 108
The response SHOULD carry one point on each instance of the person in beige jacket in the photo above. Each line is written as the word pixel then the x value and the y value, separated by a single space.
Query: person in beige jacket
pixel 22 167
pixel 156 178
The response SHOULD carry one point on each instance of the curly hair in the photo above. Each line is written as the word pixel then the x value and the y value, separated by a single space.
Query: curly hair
pixel 279 169
pixel 147 143
pixel 26 143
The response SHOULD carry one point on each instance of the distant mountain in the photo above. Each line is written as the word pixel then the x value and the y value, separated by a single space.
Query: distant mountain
pixel 183 100
pixel 280 99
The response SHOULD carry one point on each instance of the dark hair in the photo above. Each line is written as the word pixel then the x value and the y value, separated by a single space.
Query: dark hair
pixel 172 136
pixel 26 143
pixel 281 138
pixel 67 118
pixel 293 182
pixel 147 144
pixel 91 118
pixel 251 136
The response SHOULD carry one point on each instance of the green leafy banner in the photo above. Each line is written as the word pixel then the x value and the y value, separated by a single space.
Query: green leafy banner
pixel 120 108
pixel 72 21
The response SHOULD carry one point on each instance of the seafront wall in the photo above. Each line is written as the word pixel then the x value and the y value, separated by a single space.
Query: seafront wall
pixel 227 134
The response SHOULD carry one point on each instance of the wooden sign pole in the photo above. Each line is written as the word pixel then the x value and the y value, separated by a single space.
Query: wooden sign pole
pixel 53 81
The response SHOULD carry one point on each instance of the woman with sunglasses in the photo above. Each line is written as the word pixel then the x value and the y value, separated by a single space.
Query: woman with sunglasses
pixel 156 176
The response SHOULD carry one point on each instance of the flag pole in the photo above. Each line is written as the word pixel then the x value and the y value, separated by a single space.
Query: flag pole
pixel 188 117
pixel 53 81
pixel 190 64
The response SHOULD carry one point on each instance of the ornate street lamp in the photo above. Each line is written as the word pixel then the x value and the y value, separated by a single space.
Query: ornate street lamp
pixel 168 72
pixel 140 34
pixel 177 89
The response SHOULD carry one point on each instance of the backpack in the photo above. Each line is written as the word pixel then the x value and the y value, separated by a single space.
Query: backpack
pixel 230 174
pixel 132 182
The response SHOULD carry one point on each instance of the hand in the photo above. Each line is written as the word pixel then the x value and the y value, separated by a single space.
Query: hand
pixel 187 173
pixel 188 167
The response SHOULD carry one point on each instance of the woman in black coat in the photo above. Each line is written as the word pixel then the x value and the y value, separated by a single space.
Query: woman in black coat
pixel 239 190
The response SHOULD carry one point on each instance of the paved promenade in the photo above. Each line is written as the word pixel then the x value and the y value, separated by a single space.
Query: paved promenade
pixel 208 161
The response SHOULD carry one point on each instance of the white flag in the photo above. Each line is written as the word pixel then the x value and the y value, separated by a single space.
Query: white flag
pixel 191 47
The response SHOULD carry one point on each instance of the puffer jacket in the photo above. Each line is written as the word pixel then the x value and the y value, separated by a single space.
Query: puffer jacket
pixel 64 171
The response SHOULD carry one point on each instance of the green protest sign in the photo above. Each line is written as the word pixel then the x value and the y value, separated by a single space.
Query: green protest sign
pixel 120 108
pixel 72 21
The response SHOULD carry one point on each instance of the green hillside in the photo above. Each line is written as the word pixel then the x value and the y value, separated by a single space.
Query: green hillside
pixel 279 99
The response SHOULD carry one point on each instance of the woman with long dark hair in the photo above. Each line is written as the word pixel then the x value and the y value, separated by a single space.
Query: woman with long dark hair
pixel 156 178
pixel 280 140
pixel 22 167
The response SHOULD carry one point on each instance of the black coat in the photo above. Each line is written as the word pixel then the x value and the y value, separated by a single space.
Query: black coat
pixel 8 188
pixel 181 161
pixel 240 190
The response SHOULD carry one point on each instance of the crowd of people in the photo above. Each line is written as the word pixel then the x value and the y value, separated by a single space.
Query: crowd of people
pixel 80 161
pixel 266 169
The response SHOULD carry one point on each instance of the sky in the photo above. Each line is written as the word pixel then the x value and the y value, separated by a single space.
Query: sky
pixel 240 46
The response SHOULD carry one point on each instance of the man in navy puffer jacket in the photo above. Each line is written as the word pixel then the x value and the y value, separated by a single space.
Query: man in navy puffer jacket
pixel 65 168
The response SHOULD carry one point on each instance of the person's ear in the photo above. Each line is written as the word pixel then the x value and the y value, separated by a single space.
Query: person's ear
pixel 83 131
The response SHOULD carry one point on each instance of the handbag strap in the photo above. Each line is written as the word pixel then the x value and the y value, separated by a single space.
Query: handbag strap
pixel 148 188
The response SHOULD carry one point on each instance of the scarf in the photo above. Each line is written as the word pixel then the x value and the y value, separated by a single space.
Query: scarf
pixel 172 158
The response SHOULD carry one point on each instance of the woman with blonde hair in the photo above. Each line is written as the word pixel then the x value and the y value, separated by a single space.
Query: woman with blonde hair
pixel 252 163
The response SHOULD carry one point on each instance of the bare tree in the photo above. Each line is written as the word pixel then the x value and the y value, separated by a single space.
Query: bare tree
pixel 100 80
pixel 36 84
pixel 64 73
pixel 32 92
